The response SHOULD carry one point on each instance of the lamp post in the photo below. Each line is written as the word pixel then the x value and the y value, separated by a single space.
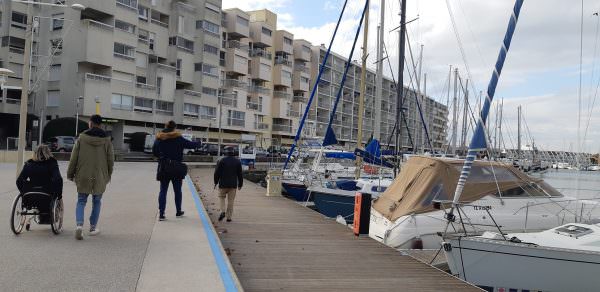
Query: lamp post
pixel 77 115
pixel 26 72
pixel 233 94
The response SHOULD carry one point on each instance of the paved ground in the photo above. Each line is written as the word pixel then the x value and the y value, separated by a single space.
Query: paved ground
pixel 133 252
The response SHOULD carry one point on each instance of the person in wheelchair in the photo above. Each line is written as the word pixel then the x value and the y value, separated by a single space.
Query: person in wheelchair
pixel 41 174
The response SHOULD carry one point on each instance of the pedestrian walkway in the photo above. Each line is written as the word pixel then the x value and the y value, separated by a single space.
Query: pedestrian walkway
pixel 133 252
pixel 276 244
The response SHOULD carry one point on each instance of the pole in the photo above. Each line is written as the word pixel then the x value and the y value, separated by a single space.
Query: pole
pixel 421 140
pixel 400 84
pixel 363 87
pixel 519 132
pixel 220 119
pixel 77 117
pixel 455 112
pixel 379 86
pixel 25 91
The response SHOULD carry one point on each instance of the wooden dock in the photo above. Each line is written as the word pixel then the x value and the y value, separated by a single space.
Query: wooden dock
pixel 275 244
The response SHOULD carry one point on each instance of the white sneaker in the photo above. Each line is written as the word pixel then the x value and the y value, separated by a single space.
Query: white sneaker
pixel 79 233
pixel 94 231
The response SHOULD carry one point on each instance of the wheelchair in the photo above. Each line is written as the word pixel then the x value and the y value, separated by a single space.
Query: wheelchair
pixel 43 208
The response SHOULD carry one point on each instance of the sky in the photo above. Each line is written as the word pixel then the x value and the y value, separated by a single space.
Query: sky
pixel 541 73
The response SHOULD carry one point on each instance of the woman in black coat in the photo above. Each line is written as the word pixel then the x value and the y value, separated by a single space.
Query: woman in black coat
pixel 41 174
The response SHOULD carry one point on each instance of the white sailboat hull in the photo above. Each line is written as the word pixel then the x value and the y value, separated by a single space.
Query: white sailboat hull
pixel 502 264
pixel 512 214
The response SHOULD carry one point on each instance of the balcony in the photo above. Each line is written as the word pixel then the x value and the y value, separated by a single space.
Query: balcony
pixel 254 106
pixel 262 53
pixel 283 61
pixel 282 76
pixel 282 128
pixel 259 89
pixel 236 61
pixel 281 94
pixel 300 98
pixel 233 83
pixel 261 126
pixel 298 67
pixel 301 81
pixel 236 122
pixel 98 42
pixel 228 101
pixel 261 34
pixel 302 50
pixel 237 23
pixel 293 113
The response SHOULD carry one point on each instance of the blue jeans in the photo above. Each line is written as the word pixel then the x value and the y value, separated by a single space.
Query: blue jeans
pixel 96 203
pixel 162 196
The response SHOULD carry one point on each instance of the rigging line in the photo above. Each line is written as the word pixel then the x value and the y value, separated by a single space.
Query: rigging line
pixel 469 26
pixel 579 91
pixel 595 53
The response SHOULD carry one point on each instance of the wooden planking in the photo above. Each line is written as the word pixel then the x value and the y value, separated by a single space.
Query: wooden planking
pixel 276 244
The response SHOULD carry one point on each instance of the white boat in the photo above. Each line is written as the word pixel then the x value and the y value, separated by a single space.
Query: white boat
pixel 565 258
pixel 403 217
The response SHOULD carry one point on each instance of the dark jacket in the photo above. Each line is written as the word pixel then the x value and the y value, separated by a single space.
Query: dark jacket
pixel 92 161
pixel 229 173
pixel 170 144
pixel 43 176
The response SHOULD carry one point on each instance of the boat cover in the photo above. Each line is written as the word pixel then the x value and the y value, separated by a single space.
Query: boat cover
pixel 424 179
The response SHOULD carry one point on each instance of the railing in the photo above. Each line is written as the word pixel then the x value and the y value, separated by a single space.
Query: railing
pixel 12 101
pixel 99 24
pixel 281 94
pixel 123 56
pixel 126 6
pixel 258 89
pixel 233 83
pixel 145 86
pixel 233 44
pixel 300 98
pixel 192 93
pixel 260 53
pixel 293 113
pixel 97 77
pixel 228 101
pixel 236 122
pixel 283 61
pixel 301 68
pixel 190 114
pixel 208 117
pixel 322 119
pixel 16 50
pixel 222 62
pixel 261 126
pixel 253 106
pixel 166 66
pixel 156 21
pixel 282 128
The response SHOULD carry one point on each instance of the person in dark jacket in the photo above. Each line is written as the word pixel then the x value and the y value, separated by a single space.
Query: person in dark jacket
pixel 228 175
pixel 41 174
pixel 168 147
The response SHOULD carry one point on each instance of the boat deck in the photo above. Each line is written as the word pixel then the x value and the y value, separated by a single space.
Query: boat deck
pixel 275 244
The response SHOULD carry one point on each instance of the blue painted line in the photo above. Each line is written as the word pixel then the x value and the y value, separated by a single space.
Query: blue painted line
pixel 226 276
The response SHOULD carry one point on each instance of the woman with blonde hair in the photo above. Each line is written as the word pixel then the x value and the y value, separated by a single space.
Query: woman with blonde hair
pixel 41 174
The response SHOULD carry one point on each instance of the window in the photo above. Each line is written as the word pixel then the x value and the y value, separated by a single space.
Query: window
pixel 56 46
pixel 143 35
pixel 180 24
pixel 286 74
pixel 144 105
pixel 158 84
pixel 143 12
pixel 164 107
pixel 304 80
pixel 128 3
pixel 306 49
pixel 287 41
pixel 266 31
pixel 141 60
pixel 209 91
pixel 213 8
pixel 151 38
pixel 211 49
pixel 141 79
pixel 210 70
pixel 242 21
pixel 182 43
pixel 191 110
pixel 19 20
pixel 178 66
pixel 57 21
pixel 125 51
pixel 124 26
pixel 53 99
pixel 207 112
pixel 154 2
pixel 265 69
pixel 236 118
pixel 210 27
pixel 122 102
pixel 54 73
pixel 197 67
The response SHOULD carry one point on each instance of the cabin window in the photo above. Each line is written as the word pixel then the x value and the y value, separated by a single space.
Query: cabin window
pixel 378 189
pixel 487 173
pixel 526 190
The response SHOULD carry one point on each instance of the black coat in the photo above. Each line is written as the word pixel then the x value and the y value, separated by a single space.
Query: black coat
pixel 170 144
pixel 41 176
pixel 229 173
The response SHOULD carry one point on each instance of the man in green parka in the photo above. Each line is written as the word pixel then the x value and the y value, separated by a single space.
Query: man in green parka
pixel 91 167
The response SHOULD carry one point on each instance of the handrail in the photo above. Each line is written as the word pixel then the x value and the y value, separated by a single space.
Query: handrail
pixel 99 24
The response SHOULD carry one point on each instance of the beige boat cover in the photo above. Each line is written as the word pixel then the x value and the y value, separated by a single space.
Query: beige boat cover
pixel 424 179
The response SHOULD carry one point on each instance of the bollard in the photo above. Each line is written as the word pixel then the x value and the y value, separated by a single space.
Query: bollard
pixel 362 213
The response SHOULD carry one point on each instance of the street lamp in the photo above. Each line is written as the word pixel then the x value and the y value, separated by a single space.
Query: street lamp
pixel 77 115
pixel 233 94
pixel 26 73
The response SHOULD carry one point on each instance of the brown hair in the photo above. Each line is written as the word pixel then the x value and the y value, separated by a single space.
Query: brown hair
pixel 42 153
pixel 171 125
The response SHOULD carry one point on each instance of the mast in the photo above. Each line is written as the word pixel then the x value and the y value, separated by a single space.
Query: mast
pixel 421 139
pixel 400 84
pixel 455 112
pixel 463 138
pixel 478 142
pixel 363 87
pixel 519 132
pixel 379 86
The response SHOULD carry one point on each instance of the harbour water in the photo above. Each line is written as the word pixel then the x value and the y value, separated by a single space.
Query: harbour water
pixel 573 183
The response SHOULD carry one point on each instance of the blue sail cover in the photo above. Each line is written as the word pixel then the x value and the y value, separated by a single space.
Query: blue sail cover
pixel 372 154
pixel 329 138
pixel 374 148
pixel 340 155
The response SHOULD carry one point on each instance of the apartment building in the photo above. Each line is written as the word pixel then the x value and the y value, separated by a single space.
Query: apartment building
pixel 140 63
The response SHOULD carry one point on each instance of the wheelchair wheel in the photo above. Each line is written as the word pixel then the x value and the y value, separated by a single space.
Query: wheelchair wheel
pixel 57 216
pixel 17 220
